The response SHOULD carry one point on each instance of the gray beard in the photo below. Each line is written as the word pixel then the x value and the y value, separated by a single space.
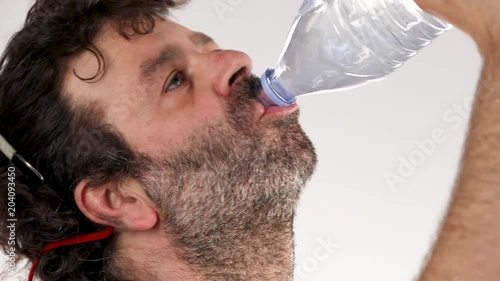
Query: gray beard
pixel 228 199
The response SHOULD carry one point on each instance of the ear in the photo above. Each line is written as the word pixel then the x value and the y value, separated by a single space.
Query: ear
pixel 123 205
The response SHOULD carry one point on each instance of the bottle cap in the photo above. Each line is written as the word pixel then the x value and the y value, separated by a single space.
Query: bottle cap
pixel 274 94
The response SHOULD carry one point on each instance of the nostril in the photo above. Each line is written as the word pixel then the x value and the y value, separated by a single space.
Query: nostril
pixel 237 75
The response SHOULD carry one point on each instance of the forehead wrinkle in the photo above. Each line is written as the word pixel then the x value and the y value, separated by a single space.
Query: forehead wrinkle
pixel 150 67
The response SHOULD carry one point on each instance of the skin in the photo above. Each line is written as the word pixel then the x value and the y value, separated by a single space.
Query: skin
pixel 468 247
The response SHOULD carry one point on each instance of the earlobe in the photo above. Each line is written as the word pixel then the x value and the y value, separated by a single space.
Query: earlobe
pixel 126 206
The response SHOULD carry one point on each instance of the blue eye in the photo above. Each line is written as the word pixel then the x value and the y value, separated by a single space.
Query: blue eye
pixel 176 81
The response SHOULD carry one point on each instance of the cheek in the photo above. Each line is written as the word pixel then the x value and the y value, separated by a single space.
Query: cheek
pixel 166 132
pixel 156 137
pixel 207 110
pixel 119 114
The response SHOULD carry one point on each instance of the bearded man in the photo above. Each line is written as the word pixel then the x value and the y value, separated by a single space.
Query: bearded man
pixel 143 153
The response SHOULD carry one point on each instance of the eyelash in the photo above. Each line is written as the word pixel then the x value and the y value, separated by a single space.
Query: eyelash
pixel 171 78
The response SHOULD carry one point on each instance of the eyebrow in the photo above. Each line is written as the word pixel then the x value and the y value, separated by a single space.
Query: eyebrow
pixel 151 66
pixel 200 39
pixel 168 54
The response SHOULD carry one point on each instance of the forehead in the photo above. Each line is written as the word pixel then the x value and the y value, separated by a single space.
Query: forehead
pixel 164 30
pixel 115 47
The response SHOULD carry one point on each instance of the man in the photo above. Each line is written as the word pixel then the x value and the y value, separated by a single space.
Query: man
pixel 143 125
pixel 140 125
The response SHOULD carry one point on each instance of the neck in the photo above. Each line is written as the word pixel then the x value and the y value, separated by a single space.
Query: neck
pixel 263 252
pixel 259 253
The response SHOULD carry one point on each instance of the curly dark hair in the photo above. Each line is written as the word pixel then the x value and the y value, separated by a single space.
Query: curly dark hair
pixel 66 143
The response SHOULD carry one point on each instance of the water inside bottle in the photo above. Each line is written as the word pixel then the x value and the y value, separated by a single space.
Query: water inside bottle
pixel 339 44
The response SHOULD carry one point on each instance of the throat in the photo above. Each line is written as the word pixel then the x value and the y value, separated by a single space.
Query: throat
pixel 262 253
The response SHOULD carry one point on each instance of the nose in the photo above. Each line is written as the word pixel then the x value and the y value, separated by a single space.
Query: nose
pixel 228 68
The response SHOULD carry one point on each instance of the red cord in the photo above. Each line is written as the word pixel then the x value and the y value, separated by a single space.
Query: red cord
pixel 71 241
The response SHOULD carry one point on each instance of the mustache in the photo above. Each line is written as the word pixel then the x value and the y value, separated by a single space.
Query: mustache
pixel 248 88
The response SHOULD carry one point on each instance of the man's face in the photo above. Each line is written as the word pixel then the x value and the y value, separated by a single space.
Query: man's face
pixel 159 88
pixel 218 158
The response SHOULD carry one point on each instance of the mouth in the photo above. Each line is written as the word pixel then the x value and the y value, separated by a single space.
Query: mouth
pixel 248 88
pixel 273 112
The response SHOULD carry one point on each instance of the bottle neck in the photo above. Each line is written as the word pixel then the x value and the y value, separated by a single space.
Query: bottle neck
pixel 274 93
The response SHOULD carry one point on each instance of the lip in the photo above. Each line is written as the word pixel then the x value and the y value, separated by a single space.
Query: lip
pixel 275 111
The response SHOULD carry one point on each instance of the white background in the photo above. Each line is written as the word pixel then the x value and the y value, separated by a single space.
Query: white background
pixel 379 233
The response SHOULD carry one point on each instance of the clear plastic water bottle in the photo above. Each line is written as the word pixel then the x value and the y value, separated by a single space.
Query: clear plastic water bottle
pixel 339 44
